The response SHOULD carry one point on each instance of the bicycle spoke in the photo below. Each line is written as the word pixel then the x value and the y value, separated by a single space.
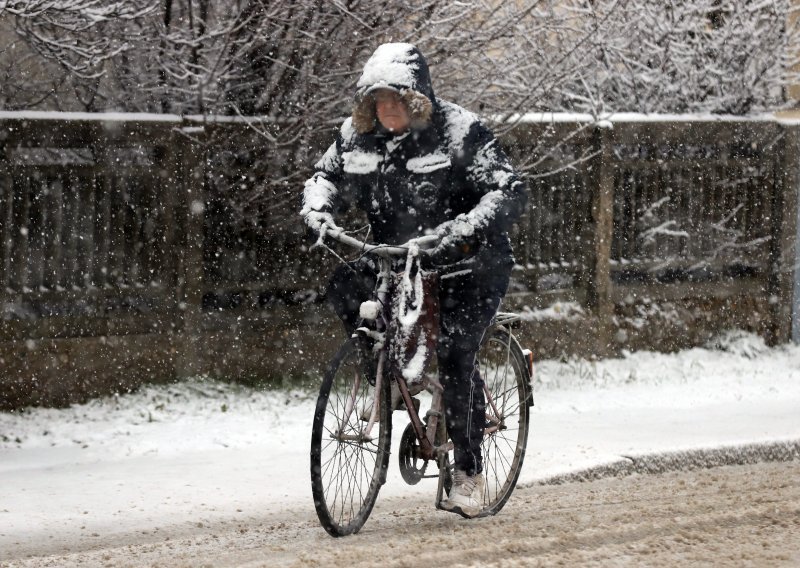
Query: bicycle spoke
pixel 501 454
pixel 511 447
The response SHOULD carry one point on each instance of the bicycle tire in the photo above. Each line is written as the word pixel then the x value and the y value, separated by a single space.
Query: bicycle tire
pixel 346 475
pixel 505 371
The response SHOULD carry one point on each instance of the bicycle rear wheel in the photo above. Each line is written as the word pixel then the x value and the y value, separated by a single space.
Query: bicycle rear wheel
pixel 505 371
pixel 347 466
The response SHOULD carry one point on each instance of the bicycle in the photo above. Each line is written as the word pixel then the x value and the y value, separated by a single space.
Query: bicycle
pixel 351 433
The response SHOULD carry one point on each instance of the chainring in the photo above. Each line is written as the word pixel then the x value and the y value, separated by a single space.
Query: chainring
pixel 412 467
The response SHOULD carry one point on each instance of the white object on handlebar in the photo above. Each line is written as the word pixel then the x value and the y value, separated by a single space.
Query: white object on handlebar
pixel 369 310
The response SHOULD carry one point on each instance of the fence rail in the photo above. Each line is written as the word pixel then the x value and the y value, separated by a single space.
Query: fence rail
pixel 116 225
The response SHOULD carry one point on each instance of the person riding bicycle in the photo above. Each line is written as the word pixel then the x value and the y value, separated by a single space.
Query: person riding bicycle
pixel 417 165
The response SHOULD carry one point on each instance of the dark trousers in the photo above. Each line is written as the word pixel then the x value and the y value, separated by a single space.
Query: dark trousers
pixel 468 300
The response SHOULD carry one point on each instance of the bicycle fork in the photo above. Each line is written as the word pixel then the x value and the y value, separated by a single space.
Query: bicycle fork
pixel 436 431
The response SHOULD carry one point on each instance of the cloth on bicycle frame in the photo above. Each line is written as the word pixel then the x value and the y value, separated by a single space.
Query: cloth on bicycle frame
pixel 468 300
pixel 414 325
pixel 447 174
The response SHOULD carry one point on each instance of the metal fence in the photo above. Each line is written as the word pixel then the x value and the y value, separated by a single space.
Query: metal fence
pixel 115 225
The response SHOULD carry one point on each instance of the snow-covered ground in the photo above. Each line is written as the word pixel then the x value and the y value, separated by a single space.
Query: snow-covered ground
pixel 200 452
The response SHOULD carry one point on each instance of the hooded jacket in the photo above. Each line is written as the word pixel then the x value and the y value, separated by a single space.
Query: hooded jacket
pixel 446 174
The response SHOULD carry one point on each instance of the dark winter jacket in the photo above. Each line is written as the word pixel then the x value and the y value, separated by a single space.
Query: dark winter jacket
pixel 446 175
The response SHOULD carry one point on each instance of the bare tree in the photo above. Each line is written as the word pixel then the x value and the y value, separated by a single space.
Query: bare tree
pixel 67 44
pixel 299 58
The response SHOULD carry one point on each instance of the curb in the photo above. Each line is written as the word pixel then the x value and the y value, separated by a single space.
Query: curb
pixel 684 460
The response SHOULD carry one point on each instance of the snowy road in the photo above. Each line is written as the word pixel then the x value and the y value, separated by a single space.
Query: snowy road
pixel 729 516
pixel 199 459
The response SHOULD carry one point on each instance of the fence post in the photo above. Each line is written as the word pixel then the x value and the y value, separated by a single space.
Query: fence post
pixel 795 330
pixel 190 276
pixel 783 264
pixel 6 204
pixel 598 280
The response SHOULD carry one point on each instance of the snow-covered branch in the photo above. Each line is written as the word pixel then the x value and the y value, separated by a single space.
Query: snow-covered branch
pixel 80 35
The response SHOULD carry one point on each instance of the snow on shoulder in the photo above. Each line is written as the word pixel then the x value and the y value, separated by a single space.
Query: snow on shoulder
pixel 347 131
pixel 458 122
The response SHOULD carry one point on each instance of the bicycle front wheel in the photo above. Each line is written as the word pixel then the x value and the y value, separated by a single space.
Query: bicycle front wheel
pixel 505 372
pixel 348 464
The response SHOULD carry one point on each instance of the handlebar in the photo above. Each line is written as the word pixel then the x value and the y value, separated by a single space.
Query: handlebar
pixel 424 243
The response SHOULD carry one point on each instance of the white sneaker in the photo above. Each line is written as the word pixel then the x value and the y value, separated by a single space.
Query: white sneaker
pixel 466 495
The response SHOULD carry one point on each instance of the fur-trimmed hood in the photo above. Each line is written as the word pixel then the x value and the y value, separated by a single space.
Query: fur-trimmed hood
pixel 402 68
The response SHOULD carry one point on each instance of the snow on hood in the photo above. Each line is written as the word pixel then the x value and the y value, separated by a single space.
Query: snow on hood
pixel 397 66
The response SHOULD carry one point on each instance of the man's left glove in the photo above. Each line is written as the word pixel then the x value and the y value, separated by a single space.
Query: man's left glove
pixel 459 240
pixel 316 219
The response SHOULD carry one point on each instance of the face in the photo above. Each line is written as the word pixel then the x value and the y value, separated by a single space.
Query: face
pixel 391 110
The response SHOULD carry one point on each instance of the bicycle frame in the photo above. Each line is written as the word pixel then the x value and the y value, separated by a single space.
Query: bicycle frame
pixel 425 432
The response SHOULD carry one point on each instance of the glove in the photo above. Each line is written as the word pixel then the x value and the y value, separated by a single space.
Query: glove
pixel 315 220
pixel 459 240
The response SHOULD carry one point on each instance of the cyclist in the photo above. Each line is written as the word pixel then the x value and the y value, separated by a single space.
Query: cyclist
pixel 417 164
